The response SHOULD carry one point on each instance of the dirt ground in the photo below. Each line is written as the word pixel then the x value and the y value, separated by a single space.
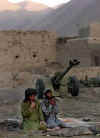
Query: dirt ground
pixel 86 105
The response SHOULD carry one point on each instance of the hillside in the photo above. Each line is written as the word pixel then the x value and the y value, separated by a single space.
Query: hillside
pixel 18 16
pixel 66 20
pixel 70 17
pixel 5 5
pixel 32 6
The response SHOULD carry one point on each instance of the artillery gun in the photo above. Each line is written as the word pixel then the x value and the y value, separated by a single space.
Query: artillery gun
pixel 54 83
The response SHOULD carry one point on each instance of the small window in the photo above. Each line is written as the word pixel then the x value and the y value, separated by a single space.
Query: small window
pixel 97 60
pixel 17 56
pixel 34 55
pixel 46 60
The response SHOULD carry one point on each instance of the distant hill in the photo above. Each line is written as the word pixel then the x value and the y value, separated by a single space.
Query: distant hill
pixel 32 6
pixel 70 17
pixel 21 15
pixel 5 5
pixel 66 20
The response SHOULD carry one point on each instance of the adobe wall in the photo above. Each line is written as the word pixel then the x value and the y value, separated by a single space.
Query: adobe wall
pixel 82 72
pixel 21 50
pixel 94 29
pixel 74 49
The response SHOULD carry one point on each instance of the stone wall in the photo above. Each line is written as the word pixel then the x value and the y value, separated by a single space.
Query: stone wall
pixel 22 50
pixel 24 53
pixel 94 29
pixel 87 50
pixel 74 49
pixel 94 46
pixel 81 72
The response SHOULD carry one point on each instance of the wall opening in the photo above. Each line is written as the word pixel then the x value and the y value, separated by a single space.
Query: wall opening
pixel 97 60
pixel 17 56
pixel 34 55
pixel 46 60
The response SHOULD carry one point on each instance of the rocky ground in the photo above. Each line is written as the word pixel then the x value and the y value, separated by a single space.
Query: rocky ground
pixel 87 105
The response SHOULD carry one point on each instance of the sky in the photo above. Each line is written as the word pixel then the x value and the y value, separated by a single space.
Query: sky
pixel 50 3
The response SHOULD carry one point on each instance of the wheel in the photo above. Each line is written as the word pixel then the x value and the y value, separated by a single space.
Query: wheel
pixel 73 87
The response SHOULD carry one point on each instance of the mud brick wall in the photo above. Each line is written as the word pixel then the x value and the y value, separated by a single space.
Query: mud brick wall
pixel 23 53
pixel 20 50
pixel 74 49
pixel 82 72
pixel 94 30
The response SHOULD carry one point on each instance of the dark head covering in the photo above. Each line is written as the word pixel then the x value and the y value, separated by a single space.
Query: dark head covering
pixel 29 92
pixel 46 91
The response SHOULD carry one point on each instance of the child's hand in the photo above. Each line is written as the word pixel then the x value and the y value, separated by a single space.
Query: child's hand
pixel 33 105
pixel 42 123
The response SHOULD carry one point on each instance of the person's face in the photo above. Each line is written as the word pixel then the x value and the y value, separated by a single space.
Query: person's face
pixel 32 97
pixel 49 94
pixel 52 101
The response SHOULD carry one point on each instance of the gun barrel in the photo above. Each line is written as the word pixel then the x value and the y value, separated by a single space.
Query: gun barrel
pixel 56 79
pixel 62 75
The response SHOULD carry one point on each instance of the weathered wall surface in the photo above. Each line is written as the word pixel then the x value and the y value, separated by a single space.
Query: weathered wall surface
pixel 20 50
pixel 74 49
pixel 94 43
pixel 94 46
pixel 23 54
pixel 94 30
pixel 85 71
